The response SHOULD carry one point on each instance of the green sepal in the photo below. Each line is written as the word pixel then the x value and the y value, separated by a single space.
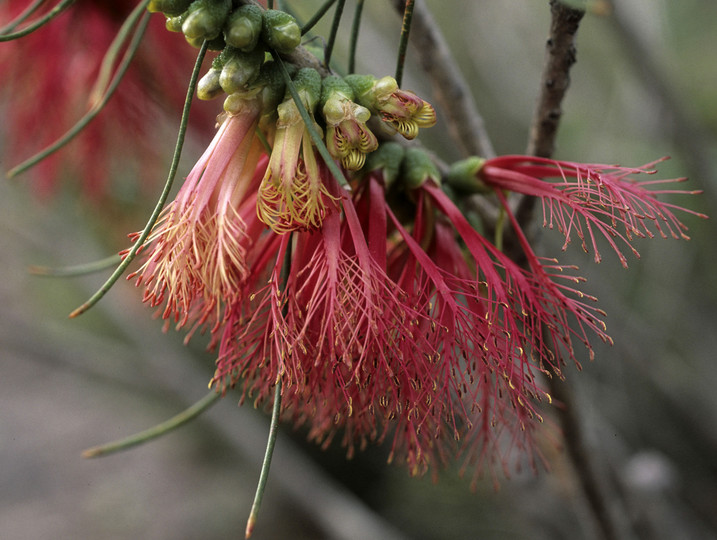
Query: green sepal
pixel 463 176
pixel 280 31
pixel 171 8
pixel 307 82
pixel 242 28
pixel 389 157
pixel 362 85
pixel 334 86
pixel 208 86
pixel 240 69
pixel 418 167
pixel 174 24
pixel 205 19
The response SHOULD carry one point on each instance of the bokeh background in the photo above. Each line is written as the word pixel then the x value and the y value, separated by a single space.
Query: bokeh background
pixel 643 87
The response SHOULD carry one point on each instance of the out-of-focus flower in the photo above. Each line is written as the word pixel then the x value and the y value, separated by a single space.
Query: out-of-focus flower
pixel 55 70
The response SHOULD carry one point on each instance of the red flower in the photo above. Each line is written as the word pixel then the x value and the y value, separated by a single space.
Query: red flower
pixel 584 199
pixel 55 70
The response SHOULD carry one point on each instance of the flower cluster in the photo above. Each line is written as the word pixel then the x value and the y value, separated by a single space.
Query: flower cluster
pixel 344 268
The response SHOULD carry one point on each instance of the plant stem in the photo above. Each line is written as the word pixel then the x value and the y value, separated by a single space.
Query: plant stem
pixel 154 432
pixel 403 41
pixel 334 32
pixel 54 12
pixel 317 16
pixel 353 44
pixel 163 196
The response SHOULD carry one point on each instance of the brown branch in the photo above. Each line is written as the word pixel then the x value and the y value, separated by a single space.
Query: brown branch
pixel 559 58
pixel 450 87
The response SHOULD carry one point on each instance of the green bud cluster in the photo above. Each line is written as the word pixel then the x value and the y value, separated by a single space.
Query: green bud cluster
pixel 224 23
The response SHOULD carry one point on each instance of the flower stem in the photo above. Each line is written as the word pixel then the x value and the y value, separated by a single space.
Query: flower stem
pixel 76 270
pixel 334 32
pixel 403 42
pixel 317 16
pixel 134 20
pixel 154 432
pixel 54 12
pixel 162 198
pixel 353 44
pixel 274 426
pixel 29 10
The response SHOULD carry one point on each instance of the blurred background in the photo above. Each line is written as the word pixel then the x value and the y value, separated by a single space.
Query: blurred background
pixel 643 87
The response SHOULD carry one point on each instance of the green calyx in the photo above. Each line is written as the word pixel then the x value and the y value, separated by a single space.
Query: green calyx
pixel 389 158
pixel 170 8
pixel 242 28
pixel 280 31
pixel 362 85
pixel 205 19
pixel 308 85
pixel 239 68
pixel 209 86
pixel 418 167
pixel 463 176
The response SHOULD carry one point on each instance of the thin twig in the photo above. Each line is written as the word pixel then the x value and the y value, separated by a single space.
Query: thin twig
pixel 355 27
pixel 403 42
pixel 452 92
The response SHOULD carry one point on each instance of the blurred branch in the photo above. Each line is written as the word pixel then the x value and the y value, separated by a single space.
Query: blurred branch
pixel 451 89
pixel 693 141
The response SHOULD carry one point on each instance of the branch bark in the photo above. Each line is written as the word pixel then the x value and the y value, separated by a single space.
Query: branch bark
pixel 452 91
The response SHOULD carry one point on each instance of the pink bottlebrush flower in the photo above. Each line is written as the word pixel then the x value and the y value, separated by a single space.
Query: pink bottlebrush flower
pixel 60 81
pixel 200 256
pixel 345 342
pixel 494 325
pixel 585 199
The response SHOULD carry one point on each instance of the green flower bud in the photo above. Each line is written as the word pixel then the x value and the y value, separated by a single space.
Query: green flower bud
pixel 463 176
pixel 208 86
pixel 361 85
pixel 389 157
pixel 205 19
pixel 171 8
pixel 243 27
pixel 308 84
pixel 174 24
pixel 240 69
pixel 335 87
pixel 280 31
pixel 419 168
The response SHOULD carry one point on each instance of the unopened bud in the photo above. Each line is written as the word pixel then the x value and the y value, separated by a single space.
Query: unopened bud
pixel 171 8
pixel 243 27
pixel 205 19
pixel 240 69
pixel 388 157
pixel 418 167
pixel 463 176
pixel 208 86
pixel 280 31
